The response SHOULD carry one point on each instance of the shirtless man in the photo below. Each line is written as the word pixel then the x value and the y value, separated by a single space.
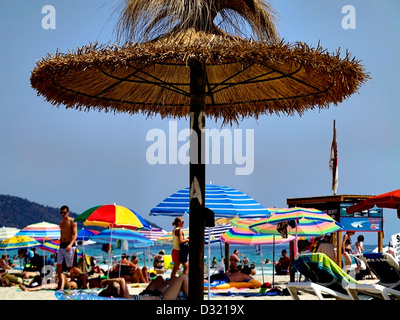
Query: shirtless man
pixel 69 233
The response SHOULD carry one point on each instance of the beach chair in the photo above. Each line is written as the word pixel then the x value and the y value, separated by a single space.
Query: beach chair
pixel 385 268
pixel 326 278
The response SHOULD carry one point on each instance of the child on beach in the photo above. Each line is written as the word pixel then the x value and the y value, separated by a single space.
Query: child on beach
pixel 359 245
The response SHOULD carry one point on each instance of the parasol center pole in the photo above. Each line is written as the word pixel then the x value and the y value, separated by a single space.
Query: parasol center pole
pixel 197 180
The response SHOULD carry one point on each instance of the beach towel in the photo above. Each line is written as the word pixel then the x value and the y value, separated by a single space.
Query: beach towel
pixel 81 295
pixel 325 263
pixel 320 269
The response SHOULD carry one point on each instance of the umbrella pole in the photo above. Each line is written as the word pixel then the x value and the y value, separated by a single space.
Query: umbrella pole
pixel 119 271
pixel 197 180
pixel 209 262
pixel 295 242
pixel 273 262
pixel 109 255
pixel 262 263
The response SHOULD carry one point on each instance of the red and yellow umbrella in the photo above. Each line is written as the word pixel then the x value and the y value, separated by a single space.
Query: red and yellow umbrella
pixel 110 216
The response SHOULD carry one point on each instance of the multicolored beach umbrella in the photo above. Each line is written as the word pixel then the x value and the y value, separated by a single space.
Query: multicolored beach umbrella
pixel 50 246
pixel 7 232
pixel 41 231
pixel 167 238
pixel 305 227
pixel 18 242
pixel 308 217
pixel 268 228
pixel 53 246
pixel 153 234
pixel 288 214
pixel 110 216
pixel 244 236
pixel 224 201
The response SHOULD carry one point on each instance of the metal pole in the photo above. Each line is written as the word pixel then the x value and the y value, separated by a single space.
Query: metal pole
pixel 209 262
pixel 273 263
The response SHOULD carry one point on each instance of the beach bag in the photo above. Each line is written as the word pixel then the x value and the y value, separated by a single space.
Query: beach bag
pixel 183 252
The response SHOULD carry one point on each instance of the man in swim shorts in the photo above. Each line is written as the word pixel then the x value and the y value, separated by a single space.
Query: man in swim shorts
pixel 69 233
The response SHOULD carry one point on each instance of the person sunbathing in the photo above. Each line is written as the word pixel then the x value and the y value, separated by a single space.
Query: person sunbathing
pixel 37 284
pixel 158 289
pixel 130 272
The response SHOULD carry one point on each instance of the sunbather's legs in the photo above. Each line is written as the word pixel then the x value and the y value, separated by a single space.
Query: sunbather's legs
pixel 138 276
pixel 174 286
pixel 156 284
pixel 347 261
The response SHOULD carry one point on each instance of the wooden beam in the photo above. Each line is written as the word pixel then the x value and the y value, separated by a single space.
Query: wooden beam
pixel 339 249
pixel 197 181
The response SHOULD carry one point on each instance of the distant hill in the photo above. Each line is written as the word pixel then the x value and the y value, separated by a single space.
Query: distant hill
pixel 18 213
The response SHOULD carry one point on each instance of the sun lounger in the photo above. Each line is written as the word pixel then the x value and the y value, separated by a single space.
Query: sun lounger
pixel 385 268
pixel 325 277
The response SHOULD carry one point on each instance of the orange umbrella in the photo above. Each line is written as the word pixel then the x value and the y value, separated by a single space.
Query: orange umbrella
pixel 389 200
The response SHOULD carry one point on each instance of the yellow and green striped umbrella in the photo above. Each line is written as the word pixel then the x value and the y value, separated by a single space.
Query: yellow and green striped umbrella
pixel 18 242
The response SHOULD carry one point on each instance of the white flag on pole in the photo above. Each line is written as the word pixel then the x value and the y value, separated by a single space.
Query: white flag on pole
pixel 333 161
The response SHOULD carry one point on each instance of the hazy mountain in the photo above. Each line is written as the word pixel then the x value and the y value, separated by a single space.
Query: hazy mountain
pixel 18 212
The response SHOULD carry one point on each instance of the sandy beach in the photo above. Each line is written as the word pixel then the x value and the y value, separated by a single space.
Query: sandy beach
pixel 15 293
pixel 233 302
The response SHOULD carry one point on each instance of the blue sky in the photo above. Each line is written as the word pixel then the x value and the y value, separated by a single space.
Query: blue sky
pixel 55 156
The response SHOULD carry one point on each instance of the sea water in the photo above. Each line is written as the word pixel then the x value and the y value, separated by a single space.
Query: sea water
pixel 256 254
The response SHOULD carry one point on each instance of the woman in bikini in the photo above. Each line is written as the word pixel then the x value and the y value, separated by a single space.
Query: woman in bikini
pixel 347 249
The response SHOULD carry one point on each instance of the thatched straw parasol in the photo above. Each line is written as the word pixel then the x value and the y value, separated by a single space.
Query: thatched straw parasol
pixel 182 58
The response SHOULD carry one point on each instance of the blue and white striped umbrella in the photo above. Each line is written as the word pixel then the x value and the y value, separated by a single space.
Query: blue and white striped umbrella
pixel 224 201
pixel 216 232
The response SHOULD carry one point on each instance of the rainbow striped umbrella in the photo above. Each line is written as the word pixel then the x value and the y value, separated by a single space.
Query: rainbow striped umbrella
pixel 244 236
pixel 309 218
pixel 53 246
pixel 153 234
pixel 7 232
pixel 18 242
pixel 269 228
pixel 305 227
pixel 288 214
pixel 110 216
pixel 41 231
pixel 167 238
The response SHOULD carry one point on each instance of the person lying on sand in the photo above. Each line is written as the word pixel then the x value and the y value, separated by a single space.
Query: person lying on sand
pixel 158 289
pixel 37 284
